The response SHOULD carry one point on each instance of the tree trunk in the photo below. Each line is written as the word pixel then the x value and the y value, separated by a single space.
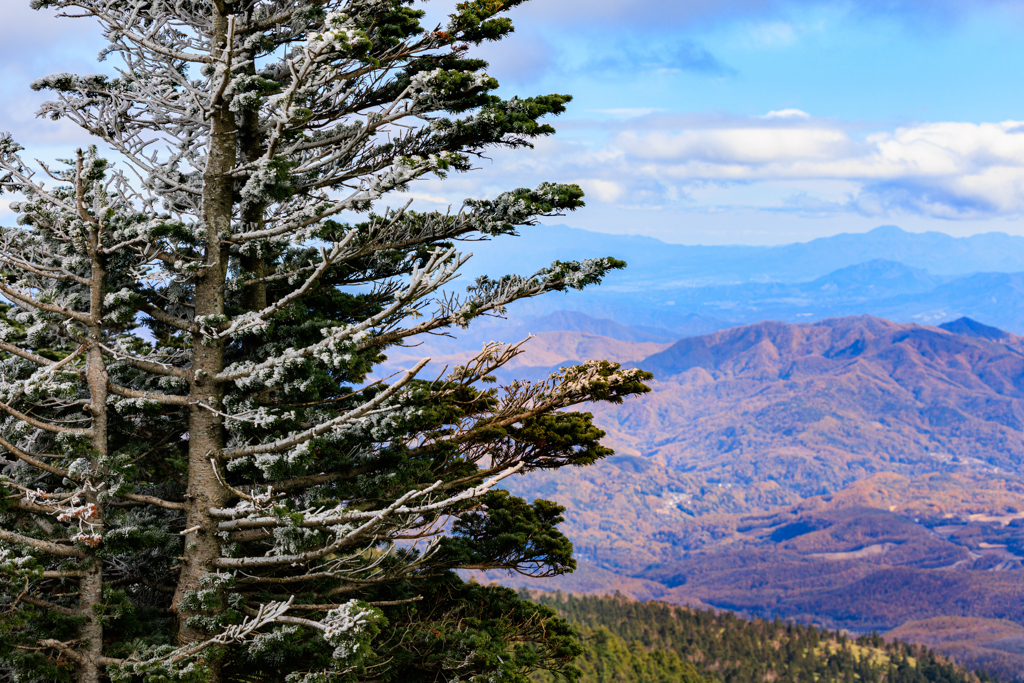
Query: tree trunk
pixel 206 430
pixel 90 586
pixel 90 595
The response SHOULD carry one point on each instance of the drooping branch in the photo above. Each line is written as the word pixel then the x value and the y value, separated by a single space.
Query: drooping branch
pixel 149 366
pixel 22 353
pixel 39 424
pixel 43 604
pixel 38 544
pixel 23 298
pixel 29 459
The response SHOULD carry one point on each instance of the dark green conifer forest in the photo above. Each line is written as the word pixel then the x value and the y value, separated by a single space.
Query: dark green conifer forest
pixel 627 641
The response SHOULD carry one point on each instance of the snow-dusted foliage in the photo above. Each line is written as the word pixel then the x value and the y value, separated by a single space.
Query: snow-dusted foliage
pixel 200 477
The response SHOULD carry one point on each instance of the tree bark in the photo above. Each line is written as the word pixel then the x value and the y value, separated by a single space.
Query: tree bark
pixel 206 429
pixel 90 585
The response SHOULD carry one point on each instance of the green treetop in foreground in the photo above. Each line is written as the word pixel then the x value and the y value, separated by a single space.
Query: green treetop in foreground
pixel 201 479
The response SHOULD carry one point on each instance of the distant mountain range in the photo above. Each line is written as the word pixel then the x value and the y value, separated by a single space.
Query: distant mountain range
pixel 854 472
pixel 907 277
pixel 659 262
pixel 836 431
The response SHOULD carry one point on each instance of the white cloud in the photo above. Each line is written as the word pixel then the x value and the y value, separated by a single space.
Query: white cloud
pixel 945 170
pixel 791 163
pixel 787 114
pixel 607 191
pixel 423 197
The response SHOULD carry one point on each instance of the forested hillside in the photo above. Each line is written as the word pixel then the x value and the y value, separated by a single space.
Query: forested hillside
pixel 651 642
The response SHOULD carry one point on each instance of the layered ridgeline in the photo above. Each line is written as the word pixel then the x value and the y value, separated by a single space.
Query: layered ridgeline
pixel 634 642
pixel 855 473
pixel 907 277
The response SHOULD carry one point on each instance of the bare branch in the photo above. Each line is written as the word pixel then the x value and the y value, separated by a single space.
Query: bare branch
pixel 152 500
pixel 34 462
pixel 168 319
pixel 47 546
pixel 56 429
pixel 59 609
pixel 165 399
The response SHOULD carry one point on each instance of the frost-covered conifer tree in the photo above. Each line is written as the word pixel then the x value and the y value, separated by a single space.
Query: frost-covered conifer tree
pixel 201 478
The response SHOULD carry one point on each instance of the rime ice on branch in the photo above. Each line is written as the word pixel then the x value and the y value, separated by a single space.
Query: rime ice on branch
pixel 200 480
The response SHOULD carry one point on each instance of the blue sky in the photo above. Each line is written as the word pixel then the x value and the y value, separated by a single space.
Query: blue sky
pixel 766 122
pixel 749 121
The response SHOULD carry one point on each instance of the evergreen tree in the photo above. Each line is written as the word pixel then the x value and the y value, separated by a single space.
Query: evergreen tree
pixel 202 480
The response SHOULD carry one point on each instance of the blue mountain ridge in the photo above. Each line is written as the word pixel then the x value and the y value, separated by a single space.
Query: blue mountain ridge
pixel 926 278
pixel 655 262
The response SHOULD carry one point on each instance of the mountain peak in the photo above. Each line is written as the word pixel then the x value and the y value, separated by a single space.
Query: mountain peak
pixel 879 274
pixel 779 348
pixel 972 328
pixel 887 230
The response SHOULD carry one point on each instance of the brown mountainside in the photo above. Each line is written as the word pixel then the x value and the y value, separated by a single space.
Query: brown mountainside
pixel 816 407
pixel 856 472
